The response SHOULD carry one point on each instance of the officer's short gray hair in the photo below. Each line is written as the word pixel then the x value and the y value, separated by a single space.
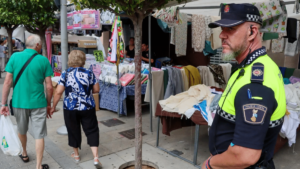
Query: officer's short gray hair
pixel 32 40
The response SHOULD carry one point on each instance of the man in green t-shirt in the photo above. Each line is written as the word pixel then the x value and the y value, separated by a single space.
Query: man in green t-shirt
pixel 29 100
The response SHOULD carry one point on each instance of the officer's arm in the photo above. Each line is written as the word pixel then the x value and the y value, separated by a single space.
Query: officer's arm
pixel 236 157
pixel 253 117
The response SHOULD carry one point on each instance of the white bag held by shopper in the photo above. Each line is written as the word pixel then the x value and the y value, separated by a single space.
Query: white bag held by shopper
pixel 9 141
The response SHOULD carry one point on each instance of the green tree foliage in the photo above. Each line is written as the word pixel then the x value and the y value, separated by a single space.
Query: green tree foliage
pixel 136 10
pixel 41 16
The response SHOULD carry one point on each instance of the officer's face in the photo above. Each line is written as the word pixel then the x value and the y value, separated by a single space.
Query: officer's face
pixel 234 41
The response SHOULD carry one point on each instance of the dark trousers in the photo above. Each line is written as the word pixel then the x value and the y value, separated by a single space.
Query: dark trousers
pixel 88 119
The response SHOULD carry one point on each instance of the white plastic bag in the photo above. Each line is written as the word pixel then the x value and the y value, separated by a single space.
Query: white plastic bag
pixel 10 143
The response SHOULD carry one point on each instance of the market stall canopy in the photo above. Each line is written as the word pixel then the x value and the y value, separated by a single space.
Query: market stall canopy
pixel 71 38
pixel 215 12
pixel 17 33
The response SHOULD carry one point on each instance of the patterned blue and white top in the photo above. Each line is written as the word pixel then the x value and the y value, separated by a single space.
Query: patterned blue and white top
pixel 78 89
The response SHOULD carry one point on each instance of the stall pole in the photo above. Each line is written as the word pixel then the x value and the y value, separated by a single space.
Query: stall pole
pixel 150 74
pixel 196 143
pixel 64 48
pixel 118 88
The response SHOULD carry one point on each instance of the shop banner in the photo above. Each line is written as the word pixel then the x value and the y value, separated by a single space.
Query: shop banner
pixel 70 21
pixel 86 19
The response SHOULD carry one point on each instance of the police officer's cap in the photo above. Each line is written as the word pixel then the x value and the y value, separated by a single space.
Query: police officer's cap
pixel 236 14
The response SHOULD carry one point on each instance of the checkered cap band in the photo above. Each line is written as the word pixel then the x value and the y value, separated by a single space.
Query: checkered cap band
pixel 276 123
pixel 254 18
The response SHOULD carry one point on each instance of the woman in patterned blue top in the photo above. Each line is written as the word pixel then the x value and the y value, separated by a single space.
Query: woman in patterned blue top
pixel 79 85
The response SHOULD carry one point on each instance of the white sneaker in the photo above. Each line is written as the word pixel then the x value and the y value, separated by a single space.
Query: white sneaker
pixel 97 164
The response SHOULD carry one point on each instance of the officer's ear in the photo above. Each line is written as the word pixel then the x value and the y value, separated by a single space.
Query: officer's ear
pixel 253 32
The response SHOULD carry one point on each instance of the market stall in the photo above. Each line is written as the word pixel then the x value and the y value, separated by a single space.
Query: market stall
pixel 174 119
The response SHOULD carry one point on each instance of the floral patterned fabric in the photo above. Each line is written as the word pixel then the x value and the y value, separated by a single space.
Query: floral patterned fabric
pixel 181 36
pixel 172 41
pixel 198 32
pixel 277 45
pixel 274 16
pixel 208 30
pixel 169 15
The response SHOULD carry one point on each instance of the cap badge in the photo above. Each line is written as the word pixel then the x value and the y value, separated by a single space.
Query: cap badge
pixel 226 9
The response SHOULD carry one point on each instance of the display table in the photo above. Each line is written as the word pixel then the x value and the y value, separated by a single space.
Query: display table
pixel 108 96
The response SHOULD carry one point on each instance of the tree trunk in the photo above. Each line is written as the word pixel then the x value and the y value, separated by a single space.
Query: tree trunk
pixel 9 41
pixel 138 100
pixel 44 44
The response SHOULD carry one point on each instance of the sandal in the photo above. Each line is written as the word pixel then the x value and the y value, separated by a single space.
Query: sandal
pixel 97 164
pixel 45 166
pixel 77 158
pixel 22 157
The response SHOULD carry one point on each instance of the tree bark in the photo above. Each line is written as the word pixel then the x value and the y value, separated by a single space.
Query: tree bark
pixel 44 44
pixel 138 23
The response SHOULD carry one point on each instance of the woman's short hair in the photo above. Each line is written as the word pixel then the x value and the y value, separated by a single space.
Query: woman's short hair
pixel 131 38
pixel 76 58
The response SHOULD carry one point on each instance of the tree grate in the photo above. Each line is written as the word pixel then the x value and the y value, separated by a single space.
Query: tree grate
pixel 130 134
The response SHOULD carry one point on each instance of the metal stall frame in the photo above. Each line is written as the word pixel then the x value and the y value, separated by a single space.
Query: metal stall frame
pixel 194 162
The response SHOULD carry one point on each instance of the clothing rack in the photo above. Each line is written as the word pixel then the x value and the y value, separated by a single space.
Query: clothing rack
pixel 194 162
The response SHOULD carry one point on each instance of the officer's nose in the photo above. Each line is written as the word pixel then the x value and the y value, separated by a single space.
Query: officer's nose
pixel 223 35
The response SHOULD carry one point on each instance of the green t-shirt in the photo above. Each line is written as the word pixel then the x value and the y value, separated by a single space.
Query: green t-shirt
pixel 29 91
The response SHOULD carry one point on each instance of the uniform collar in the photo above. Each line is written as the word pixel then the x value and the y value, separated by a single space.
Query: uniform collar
pixel 252 56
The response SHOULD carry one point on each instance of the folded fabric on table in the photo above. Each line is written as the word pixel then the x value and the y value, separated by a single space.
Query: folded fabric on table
pixel 182 102
pixel 294 79
pixel 286 81
pixel 126 79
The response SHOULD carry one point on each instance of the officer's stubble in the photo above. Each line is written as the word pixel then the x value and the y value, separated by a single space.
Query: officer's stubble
pixel 235 52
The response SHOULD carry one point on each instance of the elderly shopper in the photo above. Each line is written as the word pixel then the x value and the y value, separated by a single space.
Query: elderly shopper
pixel 29 100
pixel 79 85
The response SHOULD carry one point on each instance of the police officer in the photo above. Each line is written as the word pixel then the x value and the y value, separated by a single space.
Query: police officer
pixel 250 115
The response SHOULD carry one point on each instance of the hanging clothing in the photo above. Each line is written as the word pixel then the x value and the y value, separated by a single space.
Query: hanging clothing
pixel 157 89
pixel 270 36
pixel 172 39
pixel 282 70
pixel 193 75
pixel 215 39
pixel 208 51
pixel 184 80
pixel 169 15
pixel 166 79
pixel 289 127
pixel 208 31
pixel 289 72
pixel 181 37
pixel 226 70
pixel 291 48
pixel 296 73
pixel 217 72
pixel 198 32
pixel 175 85
pixel 292 33
pixel 267 44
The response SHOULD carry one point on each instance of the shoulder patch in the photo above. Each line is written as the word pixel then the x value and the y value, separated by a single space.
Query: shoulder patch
pixel 254 113
pixel 257 74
